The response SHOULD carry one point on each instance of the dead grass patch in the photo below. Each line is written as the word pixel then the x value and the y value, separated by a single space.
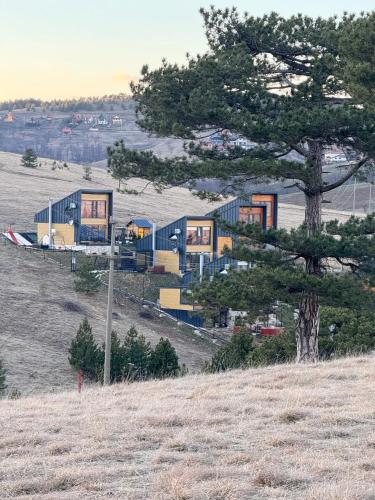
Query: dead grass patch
pixel 291 416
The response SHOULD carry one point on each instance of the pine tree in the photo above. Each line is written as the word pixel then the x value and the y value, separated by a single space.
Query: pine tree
pixel 2 377
pixel 87 173
pixel 29 159
pixel 84 352
pixel 88 281
pixel 118 359
pixel 284 85
pixel 136 355
pixel 164 360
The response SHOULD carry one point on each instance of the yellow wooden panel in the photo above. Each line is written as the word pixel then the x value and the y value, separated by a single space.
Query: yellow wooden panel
pixel 224 241
pixel 64 233
pixel 170 298
pixel 95 196
pixel 169 260
pixel 200 223
pixel 94 222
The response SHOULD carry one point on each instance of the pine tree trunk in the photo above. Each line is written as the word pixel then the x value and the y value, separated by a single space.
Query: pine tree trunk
pixel 307 330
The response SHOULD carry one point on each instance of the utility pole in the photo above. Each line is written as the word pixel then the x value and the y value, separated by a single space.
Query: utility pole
pixel 50 243
pixel 108 332
pixel 153 244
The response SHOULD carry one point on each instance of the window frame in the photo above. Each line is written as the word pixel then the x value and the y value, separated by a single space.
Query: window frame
pixel 94 210
pixel 199 231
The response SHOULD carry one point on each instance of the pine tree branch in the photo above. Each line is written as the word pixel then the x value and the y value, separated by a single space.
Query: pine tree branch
pixel 300 149
pixel 346 177
pixel 297 185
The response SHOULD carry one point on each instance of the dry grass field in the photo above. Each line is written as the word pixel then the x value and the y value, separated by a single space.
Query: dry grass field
pixel 284 432
pixel 40 313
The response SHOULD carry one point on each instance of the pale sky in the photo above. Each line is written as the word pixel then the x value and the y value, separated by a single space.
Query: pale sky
pixel 72 48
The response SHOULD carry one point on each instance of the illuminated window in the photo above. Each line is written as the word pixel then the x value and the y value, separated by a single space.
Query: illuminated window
pixel 251 215
pixel 93 209
pixel 200 235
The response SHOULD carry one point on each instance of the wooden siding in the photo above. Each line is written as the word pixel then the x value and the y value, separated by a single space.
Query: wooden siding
pixel 64 233
pixel 223 241
pixel 169 260
pixel 170 298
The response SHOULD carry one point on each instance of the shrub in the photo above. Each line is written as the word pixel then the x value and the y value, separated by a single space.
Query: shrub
pixel 29 159
pixel 84 353
pixel 274 350
pixel 233 355
pixel 87 280
pixel 164 360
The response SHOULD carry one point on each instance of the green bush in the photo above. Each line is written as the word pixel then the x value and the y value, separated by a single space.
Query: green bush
pixel 274 350
pixel 232 355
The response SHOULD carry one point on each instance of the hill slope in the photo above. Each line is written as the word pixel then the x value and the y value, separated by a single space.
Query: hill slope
pixel 40 313
pixel 281 432
pixel 25 191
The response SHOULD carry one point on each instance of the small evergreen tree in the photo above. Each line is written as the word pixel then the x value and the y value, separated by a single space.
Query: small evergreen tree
pixel 233 355
pixel 2 377
pixel 118 358
pixel 84 353
pixel 136 355
pixel 164 360
pixel 87 280
pixel 29 159
pixel 87 173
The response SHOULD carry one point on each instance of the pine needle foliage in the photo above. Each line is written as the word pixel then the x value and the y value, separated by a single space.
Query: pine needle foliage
pixel 88 281
pixel 29 159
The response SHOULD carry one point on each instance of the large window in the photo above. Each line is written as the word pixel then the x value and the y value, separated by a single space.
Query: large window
pixel 251 215
pixel 93 209
pixel 94 233
pixel 200 235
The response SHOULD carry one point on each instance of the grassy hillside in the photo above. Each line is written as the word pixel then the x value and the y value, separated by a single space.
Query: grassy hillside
pixel 26 191
pixel 295 432
pixel 37 324
pixel 40 313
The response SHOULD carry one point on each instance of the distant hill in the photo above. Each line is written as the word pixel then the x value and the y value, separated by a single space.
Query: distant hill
pixel 293 432
pixel 77 130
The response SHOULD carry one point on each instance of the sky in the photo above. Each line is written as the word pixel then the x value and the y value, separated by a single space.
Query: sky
pixel 72 48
